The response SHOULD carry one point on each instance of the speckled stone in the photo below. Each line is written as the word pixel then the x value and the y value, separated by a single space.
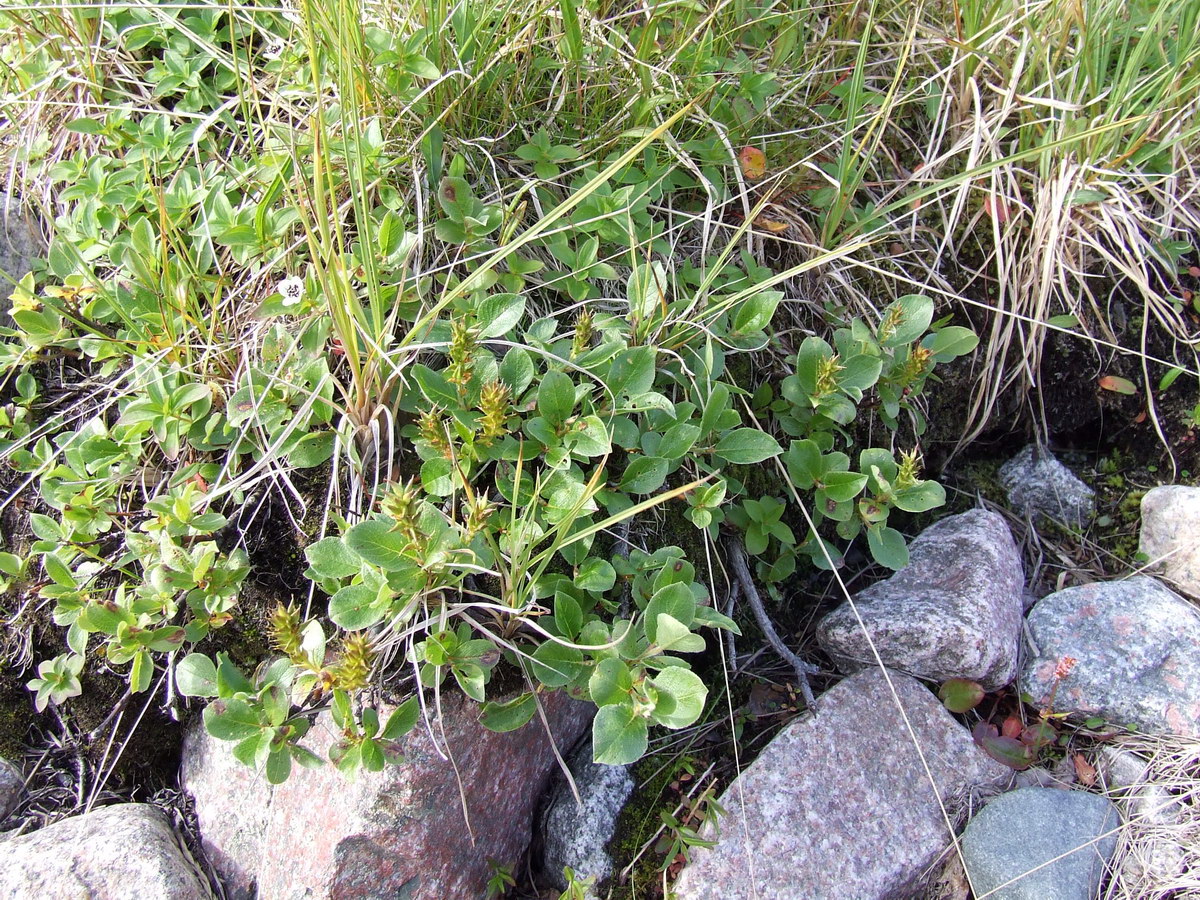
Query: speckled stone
pixel 839 805
pixel 953 612
pixel 397 833
pixel 122 852
pixel 12 786
pixel 1171 535
pixel 1008 846
pixel 19 244
pixel 576 834
pixel 1039 485
pixel 1137 647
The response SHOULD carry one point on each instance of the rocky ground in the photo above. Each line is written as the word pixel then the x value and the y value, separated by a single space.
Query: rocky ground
pixel 879 792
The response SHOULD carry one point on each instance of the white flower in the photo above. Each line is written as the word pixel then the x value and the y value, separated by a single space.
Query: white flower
pixel 291 290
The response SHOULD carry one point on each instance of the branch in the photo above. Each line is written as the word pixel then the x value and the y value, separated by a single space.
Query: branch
pixel 741 569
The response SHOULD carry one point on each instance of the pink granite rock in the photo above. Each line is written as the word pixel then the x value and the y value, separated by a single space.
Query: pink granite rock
pixel 1136 646
pixel 120 852
pixel 953 612
pixel 839 804
pixel 396 833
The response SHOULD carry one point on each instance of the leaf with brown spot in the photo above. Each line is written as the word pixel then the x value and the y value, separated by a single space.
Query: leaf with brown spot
pixel 1118 385
pixel 753 162
pixel 771 225
pixel 1084 770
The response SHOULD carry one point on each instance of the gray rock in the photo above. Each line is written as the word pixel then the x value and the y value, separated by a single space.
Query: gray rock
pixel 953 612
pixel 839 804
pixel 122 852
pixel 12 786
pixel 1137 651
pixel 1039 485
pixel 1009 845
pixel 576 834
pixel 19 245
pixel 396 833
pixel 1171 534
pixel 1150 808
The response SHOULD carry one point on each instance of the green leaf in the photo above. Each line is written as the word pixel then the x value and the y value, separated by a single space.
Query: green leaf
pixel 859 373
pixel 567 615
pixel 556 398
pixel 1169 378
pixel 435 386
pixel 678 440
pixel 681 697
pixel 675 600
pixel 141 671
pixel 619 735
pixel 555 665
pixel 905 320
pixel 951 342
pixel 279 766
pixel 746 446
pixel 887 546
pixel 647 290
pixel 920 497
pixel 377 541
pixel 1006 750
pixel 644 475
pixel 718 403
pixel 312 450
pixel 611 682
pixel 631 373
pixel 354 608
pixel 231 720
pixel 402 720
pixel 960 694
pixel 85 126
pixel 596 576
pixel 842 486
pixel 756 313
pixel 516 370
pixel 590 437
pixel 510 715
pixel 499 314
pixel 331 558
pixel 230 679
pixel 672 636
pixel 196 676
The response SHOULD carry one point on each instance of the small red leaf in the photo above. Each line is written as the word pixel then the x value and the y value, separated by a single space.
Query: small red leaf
pixel 753 162
pixel 1012 727
pixel 1084 770
pixel 1007 751
pixel 1118 385
pixel 996 208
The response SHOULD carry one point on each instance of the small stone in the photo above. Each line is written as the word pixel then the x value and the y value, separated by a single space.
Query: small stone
pixel 1136 646
pixel 953 612
pixel 1039 485
pixel 19 245
pixel 1171 535
pixel 1008 846
pixel 1120 768
pixel 576 834
pixel 122 852
pixel 12 787
pixel 1149 808
pixel 839 804
pixel 400 832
